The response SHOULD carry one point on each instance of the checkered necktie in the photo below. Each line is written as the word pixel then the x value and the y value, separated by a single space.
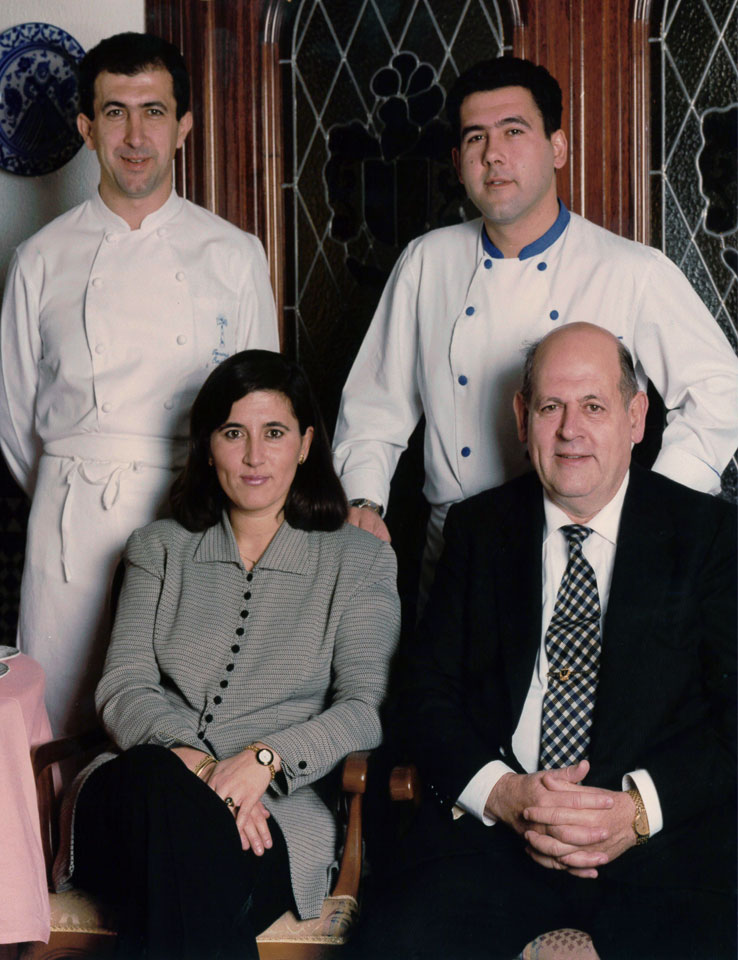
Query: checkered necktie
pixel 573 650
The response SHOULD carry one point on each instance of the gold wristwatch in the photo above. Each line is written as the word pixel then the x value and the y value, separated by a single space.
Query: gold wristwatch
pixel 264 756
pixel 640 823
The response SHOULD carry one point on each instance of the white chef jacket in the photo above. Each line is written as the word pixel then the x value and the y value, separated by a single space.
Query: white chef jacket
pixel 448 337
pixel 107 334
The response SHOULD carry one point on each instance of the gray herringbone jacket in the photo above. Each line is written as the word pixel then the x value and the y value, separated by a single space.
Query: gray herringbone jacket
pixel 295 654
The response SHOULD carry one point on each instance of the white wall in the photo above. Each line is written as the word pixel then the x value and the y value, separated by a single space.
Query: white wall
pixel 27 203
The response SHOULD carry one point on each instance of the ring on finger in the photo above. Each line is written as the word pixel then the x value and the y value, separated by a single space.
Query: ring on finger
pixel 228 801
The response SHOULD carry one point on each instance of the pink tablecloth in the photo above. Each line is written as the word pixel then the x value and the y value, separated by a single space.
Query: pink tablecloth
pixel 24 899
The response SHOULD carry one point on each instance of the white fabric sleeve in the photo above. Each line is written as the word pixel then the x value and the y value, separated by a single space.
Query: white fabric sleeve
pixel 642 781
pixel 380 404
pixel 256 303
pixel 20 353
pixel 690 362
pixel 474 795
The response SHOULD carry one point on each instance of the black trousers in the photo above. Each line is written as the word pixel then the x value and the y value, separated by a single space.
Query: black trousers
pixel 160 844
pixel 489 899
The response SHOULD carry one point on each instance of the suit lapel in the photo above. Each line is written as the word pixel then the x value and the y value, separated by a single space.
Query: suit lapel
pixel 518 584
pixel 641 572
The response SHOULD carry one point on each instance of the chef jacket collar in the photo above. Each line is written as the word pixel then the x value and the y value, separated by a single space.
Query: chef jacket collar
pixel 166 211
pixel 287 552
pixel 538 246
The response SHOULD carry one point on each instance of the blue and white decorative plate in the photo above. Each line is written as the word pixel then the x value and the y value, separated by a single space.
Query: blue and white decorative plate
pixel 38 98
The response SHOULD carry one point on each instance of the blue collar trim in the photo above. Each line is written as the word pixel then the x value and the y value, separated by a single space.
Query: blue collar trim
pixel 538 246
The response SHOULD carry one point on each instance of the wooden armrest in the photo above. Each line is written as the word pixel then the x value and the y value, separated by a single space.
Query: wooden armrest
pixel 355 766
pixel 405 784
pixel 354 785
pixel 56 751
pixel 43 758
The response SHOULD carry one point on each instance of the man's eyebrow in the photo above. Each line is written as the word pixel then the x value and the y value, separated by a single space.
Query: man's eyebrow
pixel 125 106
pixel 518 121
pixel 504 122
pixel 472 128
pixel 584 399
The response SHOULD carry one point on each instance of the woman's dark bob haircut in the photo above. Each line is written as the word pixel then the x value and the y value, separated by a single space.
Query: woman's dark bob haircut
pixel 316 500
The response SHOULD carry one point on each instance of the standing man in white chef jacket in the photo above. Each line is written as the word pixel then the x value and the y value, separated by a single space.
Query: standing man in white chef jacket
pixel 448 335
pixel 113 316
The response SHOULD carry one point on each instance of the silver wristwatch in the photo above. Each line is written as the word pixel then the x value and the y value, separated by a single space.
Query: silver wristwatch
pixel 362 502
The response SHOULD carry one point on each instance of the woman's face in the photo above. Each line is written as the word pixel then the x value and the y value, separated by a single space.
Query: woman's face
pixel 256 452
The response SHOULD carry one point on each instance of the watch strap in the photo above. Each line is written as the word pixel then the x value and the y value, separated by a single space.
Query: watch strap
pixel 364 503
pixel 640 822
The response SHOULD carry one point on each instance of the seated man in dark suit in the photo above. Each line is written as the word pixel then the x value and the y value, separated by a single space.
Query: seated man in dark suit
pixel 570 696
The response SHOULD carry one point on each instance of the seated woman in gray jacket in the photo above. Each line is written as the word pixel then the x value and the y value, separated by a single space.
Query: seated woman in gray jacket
pixel 249 656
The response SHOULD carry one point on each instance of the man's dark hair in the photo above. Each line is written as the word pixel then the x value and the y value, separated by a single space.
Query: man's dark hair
pixel 628 384
pixel 129 54
pixel 315 501
pixel 506 72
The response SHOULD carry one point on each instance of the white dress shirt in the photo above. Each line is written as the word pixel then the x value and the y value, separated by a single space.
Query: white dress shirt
pixel 599 549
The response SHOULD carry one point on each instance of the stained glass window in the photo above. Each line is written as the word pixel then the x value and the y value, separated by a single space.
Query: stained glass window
pixel 694 187
pixel 367 157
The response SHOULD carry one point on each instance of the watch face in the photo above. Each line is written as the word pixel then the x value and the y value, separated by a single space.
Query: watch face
pixel 641 827
pixel 265 757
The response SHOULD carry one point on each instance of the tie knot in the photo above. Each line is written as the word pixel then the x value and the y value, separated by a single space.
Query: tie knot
pixel 576 534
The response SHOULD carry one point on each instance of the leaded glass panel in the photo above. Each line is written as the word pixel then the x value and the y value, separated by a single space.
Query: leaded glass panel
pixel 367 156
pixel 694 185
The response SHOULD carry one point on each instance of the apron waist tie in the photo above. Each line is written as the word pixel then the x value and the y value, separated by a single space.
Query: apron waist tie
pixel 111 491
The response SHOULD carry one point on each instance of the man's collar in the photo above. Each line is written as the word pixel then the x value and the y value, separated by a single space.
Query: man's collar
pixel 606 522
pixel 537 246
pixel 166 211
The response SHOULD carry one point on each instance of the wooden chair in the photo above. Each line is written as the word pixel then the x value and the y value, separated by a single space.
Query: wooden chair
pixel 566 944
pixel 82 926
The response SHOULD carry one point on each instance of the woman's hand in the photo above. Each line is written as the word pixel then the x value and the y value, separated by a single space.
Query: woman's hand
pixel 255 833
pixel 243 780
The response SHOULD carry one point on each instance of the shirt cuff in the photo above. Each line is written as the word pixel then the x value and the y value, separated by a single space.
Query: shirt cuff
pixel 687 470
pixel 474 795
pixel 641 780
pixel 363 485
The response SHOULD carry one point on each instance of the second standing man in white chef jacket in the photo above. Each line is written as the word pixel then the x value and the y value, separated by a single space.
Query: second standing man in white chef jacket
pixel 448 335
pixel 113 316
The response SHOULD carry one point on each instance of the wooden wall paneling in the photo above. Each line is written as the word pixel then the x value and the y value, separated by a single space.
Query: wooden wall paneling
pixel 588 47
pixel 235 91
pixel 272 152
pixel 641 120
pixel 221 164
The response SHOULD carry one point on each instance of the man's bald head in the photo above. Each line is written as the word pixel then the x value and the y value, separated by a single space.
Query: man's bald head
pixel 628 381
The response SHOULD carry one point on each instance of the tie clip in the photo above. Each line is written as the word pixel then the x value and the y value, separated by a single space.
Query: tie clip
pixel 562 674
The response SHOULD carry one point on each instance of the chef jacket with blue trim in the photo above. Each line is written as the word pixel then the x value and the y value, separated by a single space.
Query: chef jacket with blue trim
pixel 448 338
pixel 107 334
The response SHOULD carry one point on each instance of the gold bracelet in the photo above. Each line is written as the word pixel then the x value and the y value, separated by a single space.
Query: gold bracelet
pixel 205 762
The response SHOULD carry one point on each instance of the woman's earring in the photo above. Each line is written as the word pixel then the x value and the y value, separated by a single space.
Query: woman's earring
pixel 210 461
pixel 301 460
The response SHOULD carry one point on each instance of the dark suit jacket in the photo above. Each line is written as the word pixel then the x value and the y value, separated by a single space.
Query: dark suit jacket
pixel 667 688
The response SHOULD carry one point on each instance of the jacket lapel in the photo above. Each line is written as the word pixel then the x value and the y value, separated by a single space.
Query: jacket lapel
pixel 519 577
pixel 641 572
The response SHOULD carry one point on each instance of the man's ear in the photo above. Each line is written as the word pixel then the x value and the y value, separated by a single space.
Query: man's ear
pixel 637 412
pixel 560 148
pixel 456 158
pixel 521 416
pixel 84 125
pixel 185 125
